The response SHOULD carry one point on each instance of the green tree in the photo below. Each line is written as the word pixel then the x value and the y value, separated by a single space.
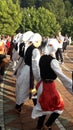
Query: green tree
pixel 25 3
pixel 10 17
pixel 40 20
pixel 47 24
pixel 68 8
pixel 67 26
pixel 58 8
pixel 61 8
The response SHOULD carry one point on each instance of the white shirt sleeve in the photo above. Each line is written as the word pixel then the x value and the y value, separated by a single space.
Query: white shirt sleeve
pixel 67 82
pixel 35 64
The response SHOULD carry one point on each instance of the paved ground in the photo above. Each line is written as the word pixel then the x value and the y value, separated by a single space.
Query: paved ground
pixel 10 120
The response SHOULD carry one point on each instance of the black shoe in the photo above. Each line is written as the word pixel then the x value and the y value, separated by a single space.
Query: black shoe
pixel 1 80
pixel 38 128
pixel 50 129
pixel 18 110
pixel 18 107
pixel 62 62
pixel 45 128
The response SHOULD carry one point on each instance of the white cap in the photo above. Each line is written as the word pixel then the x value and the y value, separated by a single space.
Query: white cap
pixel 36 39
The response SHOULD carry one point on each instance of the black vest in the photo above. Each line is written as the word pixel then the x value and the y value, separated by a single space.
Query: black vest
pixel 28 55
pixel 22 49
pixel 28 61
pixel 46 71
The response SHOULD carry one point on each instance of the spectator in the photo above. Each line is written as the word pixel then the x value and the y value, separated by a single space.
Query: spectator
pixel 8 46
pixel 69 40
pixel 2 56
pixel 65 42
pixel 59 54
pixel 11 48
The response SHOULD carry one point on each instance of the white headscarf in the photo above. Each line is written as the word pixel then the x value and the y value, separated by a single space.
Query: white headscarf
pixel 51 47
pixel 26 36
pixel 36 39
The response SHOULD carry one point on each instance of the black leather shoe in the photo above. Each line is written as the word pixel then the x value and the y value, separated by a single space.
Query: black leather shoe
pixel 18 107
pixel 18 110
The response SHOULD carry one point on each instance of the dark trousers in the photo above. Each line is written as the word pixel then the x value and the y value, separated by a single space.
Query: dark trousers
pixel 2 66
pixel 49 122
pixel 2 69
pixel 65 44
pixel 59 55
pixel 34 101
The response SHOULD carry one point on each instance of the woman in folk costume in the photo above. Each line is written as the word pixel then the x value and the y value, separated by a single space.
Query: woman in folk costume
pixel 29 72
pixel 49 100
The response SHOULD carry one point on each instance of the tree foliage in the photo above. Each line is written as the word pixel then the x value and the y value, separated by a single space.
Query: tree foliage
pixel 62 9
pixel 45 16
pixel 67 26
pixel 58 8
pixel 41 20
pixel 10 17
pixel 25 3
pixel 68 8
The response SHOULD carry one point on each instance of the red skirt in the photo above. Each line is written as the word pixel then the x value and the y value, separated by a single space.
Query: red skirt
pixel 50 99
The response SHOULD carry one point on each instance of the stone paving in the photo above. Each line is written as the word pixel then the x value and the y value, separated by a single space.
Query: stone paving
pixel 10 120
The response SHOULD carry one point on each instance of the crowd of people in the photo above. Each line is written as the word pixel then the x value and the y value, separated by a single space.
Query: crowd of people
pixel 37 68
pixel 5 50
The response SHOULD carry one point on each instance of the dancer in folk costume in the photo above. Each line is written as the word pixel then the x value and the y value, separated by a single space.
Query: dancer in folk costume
pixel 21 48
pixel 49 100
pixel 29 73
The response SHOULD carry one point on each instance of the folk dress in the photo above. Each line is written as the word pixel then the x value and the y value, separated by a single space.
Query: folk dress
pixel 49 99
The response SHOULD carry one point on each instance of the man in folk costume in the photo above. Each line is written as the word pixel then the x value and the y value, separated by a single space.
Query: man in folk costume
pixel 49 100
pixel 29 72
